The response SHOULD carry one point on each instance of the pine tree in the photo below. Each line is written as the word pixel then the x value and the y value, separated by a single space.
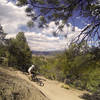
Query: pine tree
pixel 57 10
pixel 2 35
pixel 2 45
pixel 19 52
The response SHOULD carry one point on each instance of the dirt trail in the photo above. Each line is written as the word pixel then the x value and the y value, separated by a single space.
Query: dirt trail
pixel 53 90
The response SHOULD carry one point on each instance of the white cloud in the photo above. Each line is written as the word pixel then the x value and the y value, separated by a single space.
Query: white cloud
pixel 45 41
pixel 42 42
pixel 66 30
pixel 12 17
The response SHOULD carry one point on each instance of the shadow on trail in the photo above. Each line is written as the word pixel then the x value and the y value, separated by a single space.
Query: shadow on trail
pixel 42 79
pixel 94 96
pixel 39 81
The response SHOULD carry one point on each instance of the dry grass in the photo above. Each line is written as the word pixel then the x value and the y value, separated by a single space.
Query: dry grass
pixel 13 87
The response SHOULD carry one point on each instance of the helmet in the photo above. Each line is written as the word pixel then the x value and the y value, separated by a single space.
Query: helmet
pixel 33 66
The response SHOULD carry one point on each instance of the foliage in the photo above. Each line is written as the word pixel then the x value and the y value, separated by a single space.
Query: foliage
pixel 77 67
pixel 30 24
pixel 19 54
pixel 2 53
pixel 16 53
pixel 94 96
pixel 2 45
pixel 57 10
pixel 2 35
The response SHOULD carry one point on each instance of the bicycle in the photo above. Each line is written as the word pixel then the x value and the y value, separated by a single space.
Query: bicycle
pixel 34 78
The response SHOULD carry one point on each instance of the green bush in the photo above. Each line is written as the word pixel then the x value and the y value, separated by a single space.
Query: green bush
pixel 82 69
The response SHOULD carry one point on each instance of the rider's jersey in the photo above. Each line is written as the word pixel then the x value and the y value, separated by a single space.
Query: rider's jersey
pixel 31 69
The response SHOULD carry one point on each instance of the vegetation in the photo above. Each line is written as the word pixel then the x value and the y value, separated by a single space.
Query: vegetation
pixel 94 96
pixel 16 53
pixel 80 67
pixel 77 67
pixel 19 54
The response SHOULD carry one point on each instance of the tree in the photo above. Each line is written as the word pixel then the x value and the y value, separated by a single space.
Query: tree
pixel 57 10
pixel 19 52
pixel 2 35
pixel 2 45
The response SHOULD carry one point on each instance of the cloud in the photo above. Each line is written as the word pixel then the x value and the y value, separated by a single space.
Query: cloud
pixel 45 41
pixel 14 19
pixel 41 42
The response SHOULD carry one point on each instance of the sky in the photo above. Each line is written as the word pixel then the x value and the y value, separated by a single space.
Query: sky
pixel 14 19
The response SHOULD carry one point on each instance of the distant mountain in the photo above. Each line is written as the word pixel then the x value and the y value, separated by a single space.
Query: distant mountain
pixel 46 52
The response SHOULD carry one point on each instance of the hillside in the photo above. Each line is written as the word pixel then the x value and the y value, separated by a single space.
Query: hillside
pixel 46 53
pixel 13 87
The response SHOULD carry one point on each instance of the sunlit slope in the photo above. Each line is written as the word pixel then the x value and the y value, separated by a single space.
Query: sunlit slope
pixel 13 87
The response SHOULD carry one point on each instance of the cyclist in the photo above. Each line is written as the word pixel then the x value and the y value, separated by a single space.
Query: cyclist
pixel 32 71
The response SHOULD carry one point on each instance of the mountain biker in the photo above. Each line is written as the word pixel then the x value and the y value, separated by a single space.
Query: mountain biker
pixel 31 70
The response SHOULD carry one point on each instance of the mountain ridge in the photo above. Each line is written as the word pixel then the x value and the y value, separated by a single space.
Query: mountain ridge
pixel 46 52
